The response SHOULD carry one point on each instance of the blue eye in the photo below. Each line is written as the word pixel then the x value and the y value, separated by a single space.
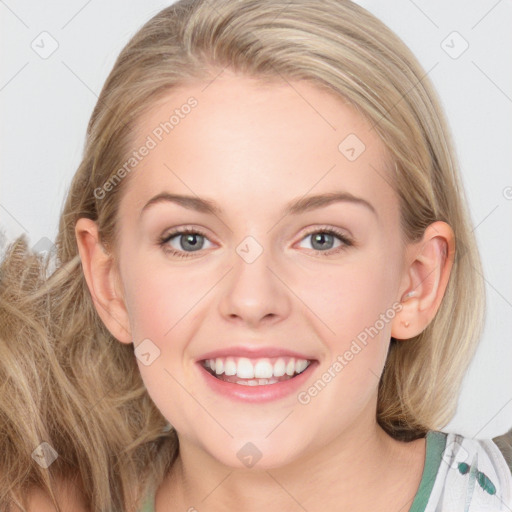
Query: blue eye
pixel 189 239
pixel 325 237
pixel 192 240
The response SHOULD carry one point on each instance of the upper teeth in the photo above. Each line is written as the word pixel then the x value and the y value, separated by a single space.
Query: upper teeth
pixel 265 368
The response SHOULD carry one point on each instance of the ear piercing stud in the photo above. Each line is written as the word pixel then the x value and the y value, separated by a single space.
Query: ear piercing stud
pixel 407 296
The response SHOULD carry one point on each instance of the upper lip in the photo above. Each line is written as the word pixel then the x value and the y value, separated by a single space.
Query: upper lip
pixel 253 352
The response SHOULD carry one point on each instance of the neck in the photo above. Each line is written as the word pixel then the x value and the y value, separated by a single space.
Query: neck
pixel 348 473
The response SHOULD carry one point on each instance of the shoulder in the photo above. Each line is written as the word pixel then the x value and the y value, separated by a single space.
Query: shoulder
pixel 498 450
pixel 475 471
pixel 494 454
pixel 68 498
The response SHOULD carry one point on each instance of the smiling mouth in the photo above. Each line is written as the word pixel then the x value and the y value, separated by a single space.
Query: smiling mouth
pixel 261 372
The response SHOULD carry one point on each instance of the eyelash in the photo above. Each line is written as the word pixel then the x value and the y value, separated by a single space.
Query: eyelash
pixel 163 241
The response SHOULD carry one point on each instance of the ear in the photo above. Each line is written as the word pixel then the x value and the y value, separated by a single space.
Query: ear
pixel 102 280
pixel 428 266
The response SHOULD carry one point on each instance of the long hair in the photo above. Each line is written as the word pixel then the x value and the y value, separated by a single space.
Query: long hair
pixel 68 383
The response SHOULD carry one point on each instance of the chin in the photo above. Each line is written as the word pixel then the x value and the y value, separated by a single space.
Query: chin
pixel 255 452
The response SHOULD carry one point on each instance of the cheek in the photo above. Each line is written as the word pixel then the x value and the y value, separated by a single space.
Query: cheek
pixel 161 304
pixel 353 311
pixel 149 306
pixel 159 298
pixel 351 297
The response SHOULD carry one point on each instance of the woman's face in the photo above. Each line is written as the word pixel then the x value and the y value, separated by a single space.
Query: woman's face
pixel 256 279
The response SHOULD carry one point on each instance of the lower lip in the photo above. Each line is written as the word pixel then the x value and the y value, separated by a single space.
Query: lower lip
pixel 264 393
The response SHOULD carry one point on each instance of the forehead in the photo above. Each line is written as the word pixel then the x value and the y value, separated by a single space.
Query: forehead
pixel 238 139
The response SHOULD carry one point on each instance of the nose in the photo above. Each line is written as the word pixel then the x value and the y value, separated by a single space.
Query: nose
pixel 254 292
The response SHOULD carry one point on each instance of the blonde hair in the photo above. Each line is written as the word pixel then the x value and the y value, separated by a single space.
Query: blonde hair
pixel 67 381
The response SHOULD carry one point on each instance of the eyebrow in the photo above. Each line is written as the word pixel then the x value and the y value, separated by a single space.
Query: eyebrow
pixel 294 207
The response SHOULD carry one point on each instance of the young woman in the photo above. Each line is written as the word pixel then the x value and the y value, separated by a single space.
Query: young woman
pixel 268 290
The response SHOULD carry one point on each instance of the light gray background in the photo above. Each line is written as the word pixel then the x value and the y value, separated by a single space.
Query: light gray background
pixel 46 103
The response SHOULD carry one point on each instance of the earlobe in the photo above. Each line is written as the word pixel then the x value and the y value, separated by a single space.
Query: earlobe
pixel 101 277
pixel 425 279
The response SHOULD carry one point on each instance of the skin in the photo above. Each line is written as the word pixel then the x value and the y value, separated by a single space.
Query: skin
pixel 252 148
